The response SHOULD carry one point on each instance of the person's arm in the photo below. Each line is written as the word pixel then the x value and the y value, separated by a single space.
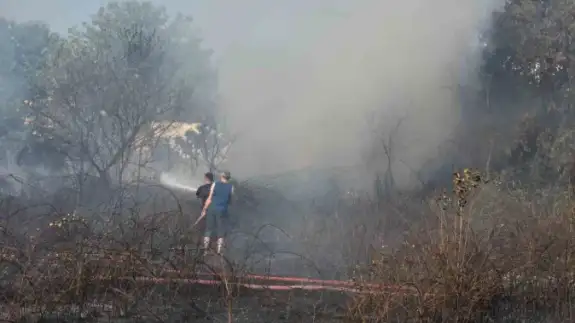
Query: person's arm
pixel 209 200
pixel 231 196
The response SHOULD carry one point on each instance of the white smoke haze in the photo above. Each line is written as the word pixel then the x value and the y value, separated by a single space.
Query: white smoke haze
pixel 307 103
pixel 298 81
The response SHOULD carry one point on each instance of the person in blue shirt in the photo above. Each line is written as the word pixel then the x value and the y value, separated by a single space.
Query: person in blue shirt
pixel 216 211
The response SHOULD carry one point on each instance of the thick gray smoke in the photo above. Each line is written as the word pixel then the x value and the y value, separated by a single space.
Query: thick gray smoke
pixel 299 81
pixel 308 101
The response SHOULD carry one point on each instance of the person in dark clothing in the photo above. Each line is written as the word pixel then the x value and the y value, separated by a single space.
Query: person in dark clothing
pixel 203 191
pixel 216 211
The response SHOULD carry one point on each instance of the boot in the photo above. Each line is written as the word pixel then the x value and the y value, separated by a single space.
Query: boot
pixel 206 245
pixel 220 247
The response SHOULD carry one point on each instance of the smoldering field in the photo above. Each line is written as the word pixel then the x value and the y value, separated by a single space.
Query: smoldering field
pixel 425 146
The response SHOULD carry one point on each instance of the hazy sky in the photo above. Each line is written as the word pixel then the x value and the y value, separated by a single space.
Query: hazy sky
pixel 222 23
pixel 299 78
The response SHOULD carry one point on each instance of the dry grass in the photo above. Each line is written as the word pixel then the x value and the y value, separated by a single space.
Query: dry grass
pixel 81 266
pixel 484 254
pixel 117 265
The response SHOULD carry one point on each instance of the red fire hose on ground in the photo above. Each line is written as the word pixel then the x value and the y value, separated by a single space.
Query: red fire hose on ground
pixel 266 282
pixel 276 283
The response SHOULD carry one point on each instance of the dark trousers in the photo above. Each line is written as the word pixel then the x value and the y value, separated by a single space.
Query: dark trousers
pixel 217 223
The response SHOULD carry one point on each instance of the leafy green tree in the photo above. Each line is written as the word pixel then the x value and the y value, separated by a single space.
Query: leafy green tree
pixel 104 86
pixel 531 41
pixel 22 53
pixel 528 80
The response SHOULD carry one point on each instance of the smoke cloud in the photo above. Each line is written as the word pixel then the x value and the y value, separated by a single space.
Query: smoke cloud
pixel 299 81
pixel 309 100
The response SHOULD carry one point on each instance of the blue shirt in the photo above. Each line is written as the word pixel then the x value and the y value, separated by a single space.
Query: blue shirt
pixel 221 196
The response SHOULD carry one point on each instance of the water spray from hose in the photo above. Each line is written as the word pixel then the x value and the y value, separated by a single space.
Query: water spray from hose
pixel 172 182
